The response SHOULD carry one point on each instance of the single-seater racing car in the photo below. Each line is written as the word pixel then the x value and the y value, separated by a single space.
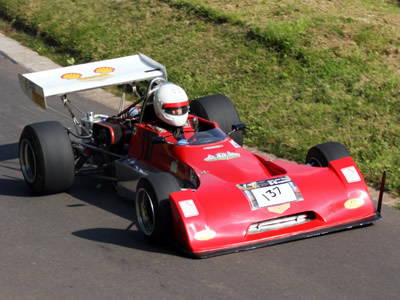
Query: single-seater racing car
pixel 184 165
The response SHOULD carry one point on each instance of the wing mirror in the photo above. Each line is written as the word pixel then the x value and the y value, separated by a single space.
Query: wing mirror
pixel 237 127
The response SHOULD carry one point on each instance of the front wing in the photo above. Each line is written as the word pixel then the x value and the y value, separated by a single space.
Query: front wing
pixel 309 234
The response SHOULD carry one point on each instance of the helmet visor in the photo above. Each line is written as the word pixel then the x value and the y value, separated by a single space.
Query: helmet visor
pixel 176 108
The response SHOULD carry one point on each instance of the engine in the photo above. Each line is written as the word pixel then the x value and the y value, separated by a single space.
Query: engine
pixel 107 133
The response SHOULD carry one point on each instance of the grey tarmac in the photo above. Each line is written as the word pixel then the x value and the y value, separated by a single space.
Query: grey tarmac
pixel 84 244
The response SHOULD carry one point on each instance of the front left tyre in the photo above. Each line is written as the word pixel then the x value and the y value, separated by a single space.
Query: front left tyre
pixel 46 158
pixel 152 206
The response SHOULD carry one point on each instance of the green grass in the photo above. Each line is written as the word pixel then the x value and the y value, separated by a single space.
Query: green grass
pixel 299 72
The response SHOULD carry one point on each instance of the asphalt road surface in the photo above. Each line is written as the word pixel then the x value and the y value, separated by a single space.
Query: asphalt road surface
pixel 84 244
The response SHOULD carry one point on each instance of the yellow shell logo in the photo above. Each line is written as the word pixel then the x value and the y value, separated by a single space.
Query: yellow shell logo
pixel 104 70
pixel 205 235
pixel 101 74
pixel 280 209
pixel 354 203
pixel 71 76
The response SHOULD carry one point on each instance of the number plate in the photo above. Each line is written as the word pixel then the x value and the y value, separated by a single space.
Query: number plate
pixel 274 195
pixel 271 192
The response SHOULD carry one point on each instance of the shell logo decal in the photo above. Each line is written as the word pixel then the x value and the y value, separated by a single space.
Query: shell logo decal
pixel 104 70
pixel 102 73
pixel 280 209
pixel 205 235
pixel 71 76
pixel 354 203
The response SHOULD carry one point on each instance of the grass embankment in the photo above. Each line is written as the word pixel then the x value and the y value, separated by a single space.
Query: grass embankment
pixel 300 73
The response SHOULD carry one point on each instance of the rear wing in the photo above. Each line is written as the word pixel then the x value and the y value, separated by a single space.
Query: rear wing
pixel 58 82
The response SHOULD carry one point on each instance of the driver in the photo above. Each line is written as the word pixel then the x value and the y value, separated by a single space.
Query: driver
pixel 171 105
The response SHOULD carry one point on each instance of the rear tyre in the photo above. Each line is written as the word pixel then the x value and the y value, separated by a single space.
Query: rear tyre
pixel 46 158
pixel 320 155
pixel 152 206
pixel 219 109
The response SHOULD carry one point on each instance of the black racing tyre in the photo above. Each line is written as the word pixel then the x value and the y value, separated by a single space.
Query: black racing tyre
pixel 46 158
pixel 152 206
pixel 320 155
pixel 220 109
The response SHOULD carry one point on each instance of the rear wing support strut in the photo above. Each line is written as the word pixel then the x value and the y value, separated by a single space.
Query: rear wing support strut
pixel 76 122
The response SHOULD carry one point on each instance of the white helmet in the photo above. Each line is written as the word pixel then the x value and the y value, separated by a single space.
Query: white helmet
pixel 171 104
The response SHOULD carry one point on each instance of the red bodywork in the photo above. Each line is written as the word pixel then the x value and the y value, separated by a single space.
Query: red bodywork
pixel 215 217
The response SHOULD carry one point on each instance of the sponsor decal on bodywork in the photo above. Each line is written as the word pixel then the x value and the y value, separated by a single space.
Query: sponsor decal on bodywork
pixel 102 73
pixel 234 144
pixel 38 99
pixel 271 192
pixel 280 209
pixel 213 147
pixel 222 156
pixel 351 174
pixel 205 235
pixel 174 167
pixel 70 76
pixel 189 209
pixel 354 203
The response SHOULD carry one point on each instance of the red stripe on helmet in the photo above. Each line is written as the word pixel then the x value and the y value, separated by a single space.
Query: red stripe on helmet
pixel 174 105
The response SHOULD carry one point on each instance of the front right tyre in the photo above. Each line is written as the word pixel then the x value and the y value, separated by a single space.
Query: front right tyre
pixel 219 109
pixel 320 155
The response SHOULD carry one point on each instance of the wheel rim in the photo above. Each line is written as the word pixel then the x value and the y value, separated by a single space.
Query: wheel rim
pixel 145 212
pixel 28 161
pixel 315 162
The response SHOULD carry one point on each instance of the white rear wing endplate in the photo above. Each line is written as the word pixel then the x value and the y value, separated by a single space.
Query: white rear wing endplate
pixel 57 82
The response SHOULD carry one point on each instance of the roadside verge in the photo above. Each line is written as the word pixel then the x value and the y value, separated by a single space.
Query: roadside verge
pixel 34 62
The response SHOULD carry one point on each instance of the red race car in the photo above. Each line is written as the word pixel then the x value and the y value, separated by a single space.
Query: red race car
pixel 192 181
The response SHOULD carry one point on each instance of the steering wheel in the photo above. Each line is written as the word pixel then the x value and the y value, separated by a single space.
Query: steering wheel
pixel 204 136
pixel 192 138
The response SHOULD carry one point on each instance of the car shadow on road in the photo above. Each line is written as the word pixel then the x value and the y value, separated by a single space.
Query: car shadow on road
pixel 124 237
pixel 103 195
pixel 89 190
pixel 8 151
pixel 11 182
pixel 14 187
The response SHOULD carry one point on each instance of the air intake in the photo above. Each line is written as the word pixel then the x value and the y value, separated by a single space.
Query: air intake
pixel 280 223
